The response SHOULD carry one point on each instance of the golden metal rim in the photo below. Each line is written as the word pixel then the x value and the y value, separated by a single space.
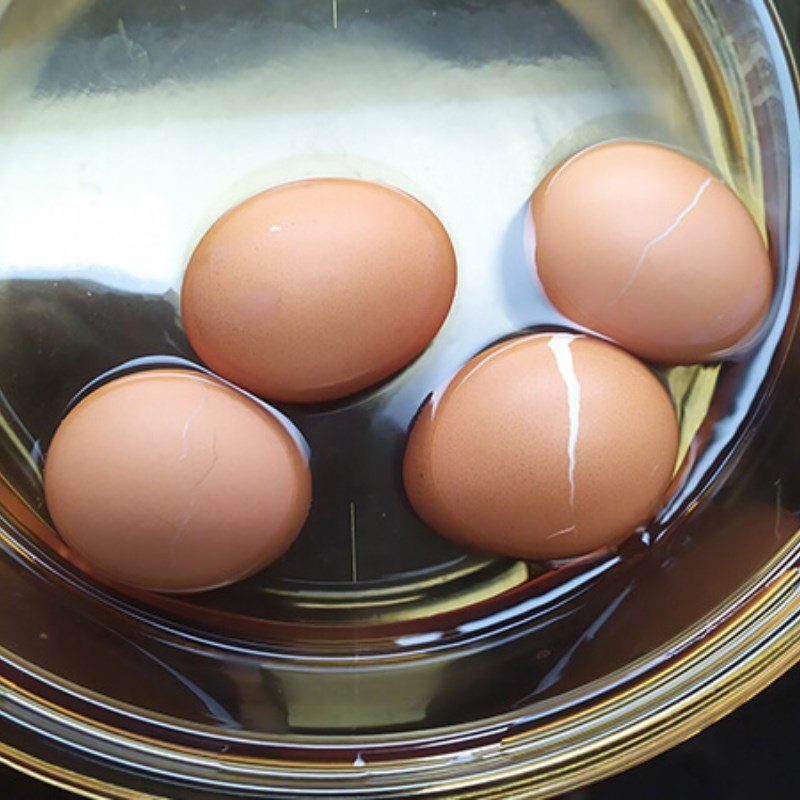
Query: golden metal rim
pixel 64 779
pixel 710 681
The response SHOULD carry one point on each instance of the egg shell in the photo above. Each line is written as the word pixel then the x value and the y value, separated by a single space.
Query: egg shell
pixel 317 289
pixel 172 481
pixel 545 446
pixel 643 245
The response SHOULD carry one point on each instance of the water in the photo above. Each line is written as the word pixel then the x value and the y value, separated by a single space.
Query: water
pixel 127 128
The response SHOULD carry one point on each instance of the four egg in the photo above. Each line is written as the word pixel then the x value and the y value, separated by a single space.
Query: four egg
pixel 544 446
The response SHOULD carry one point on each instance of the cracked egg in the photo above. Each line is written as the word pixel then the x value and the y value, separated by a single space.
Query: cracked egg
pixel 643 245
pixel 172 481
pixel 544 446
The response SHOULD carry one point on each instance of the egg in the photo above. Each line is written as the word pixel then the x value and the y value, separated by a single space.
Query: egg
pixel 317 289
pixel 545 446
pixel 645 246
pixel 172 481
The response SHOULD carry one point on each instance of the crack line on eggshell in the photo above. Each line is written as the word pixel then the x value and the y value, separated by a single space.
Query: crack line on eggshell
pixel 563 531
pixel 188 424
pixel 668 231
pixel 183 522
pixel 560 345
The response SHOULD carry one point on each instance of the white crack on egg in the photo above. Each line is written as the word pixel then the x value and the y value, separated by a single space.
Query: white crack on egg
pixel 668 231
pixel 563 531
pixel 560 345
pixel 188 424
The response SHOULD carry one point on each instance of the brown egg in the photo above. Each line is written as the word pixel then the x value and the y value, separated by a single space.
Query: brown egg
pixel 645 246
pixel 317 289
pixel 170 480
pixel 545 446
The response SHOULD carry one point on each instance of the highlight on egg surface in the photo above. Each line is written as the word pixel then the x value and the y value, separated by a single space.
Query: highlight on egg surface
pixel 315 290
pixel 545 446
pixel 172 481
pixel 647 247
